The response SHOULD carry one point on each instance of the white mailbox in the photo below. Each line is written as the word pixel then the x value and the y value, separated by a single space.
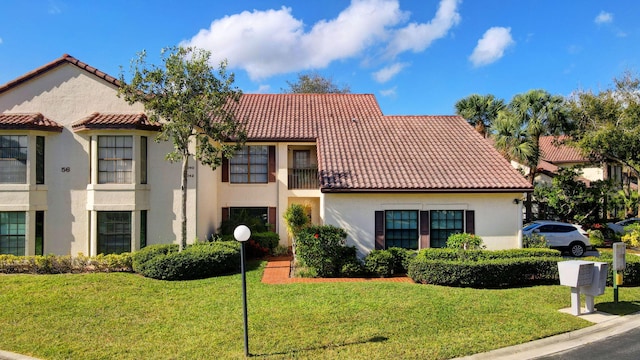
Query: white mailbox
pixel 575 273
pixel 599 281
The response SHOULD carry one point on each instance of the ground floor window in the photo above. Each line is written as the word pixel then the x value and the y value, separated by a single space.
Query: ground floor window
pixel 143 228
pixel 401 229
pixel 114 232
pixel 443 224
pixel 254 217
pixel 12 232
pixel 39 232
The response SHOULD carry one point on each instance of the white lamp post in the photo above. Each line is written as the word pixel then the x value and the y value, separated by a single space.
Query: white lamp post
pixel 242 233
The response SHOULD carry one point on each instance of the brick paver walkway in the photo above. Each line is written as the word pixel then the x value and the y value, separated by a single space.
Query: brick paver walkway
pixel 278 270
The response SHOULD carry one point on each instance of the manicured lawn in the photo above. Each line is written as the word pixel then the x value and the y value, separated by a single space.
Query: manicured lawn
pixel 125 316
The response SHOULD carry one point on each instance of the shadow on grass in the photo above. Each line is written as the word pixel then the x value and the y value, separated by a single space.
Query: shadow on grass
pixel 293 352
pixel 620 308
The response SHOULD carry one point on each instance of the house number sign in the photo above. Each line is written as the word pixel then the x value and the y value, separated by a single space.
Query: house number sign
pixel 65 169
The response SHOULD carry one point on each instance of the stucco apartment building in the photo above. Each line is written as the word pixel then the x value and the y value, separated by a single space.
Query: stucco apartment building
pixel 80 172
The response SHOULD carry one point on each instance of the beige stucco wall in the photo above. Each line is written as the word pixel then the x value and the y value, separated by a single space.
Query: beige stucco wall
pixel 497 219
pixel 65 95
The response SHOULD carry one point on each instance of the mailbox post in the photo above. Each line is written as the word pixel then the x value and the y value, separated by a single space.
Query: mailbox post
pixel 619 263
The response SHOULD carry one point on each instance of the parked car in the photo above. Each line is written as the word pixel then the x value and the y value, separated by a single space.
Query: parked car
pixel 618 227
pixel 561 236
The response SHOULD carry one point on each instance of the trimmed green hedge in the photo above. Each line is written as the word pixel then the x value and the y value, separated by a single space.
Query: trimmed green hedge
pixel 198 261
pixel 631 273
pixel 485 269
pixel 389 262
pixel 61 264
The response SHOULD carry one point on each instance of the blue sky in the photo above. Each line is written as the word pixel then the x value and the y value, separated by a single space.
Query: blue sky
pixel 417 56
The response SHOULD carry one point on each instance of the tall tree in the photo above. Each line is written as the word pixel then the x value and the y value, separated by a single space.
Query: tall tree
pixel 194 103
pixel 519 127
pixel 315 83
pixel 480 111
pixel 609 122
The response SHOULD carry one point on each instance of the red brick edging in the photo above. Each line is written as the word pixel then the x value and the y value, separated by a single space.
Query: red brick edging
pixel 278 271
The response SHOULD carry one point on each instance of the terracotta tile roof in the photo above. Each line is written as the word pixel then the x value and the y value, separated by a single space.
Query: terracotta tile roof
pixel 555 151
pixel 64 59
pixel 297 117
pixel 33 121
pixel 360 149
pixel 115 121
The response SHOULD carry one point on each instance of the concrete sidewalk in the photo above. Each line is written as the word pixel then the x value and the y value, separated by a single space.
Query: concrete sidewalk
pixel 606 325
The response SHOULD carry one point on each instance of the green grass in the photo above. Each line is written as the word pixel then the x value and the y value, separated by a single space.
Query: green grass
pixel 125 316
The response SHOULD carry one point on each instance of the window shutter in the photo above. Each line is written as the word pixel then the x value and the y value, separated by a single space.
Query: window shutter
pixel 272 219
pixel 225 171
pixel 272 163
pixel 470 223
pixel 425 230
pixel 379 230
pixel 225 213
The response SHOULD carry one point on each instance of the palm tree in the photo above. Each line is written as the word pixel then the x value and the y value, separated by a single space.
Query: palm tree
pixel 518 129
pixel 480 111
pixel 539 114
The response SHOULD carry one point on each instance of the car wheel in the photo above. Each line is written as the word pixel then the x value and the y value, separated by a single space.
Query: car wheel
pixel 577 249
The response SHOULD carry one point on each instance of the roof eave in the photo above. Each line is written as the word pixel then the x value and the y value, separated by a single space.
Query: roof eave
pixel 430 191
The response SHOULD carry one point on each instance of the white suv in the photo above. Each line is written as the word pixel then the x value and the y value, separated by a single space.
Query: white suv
pixel 559 235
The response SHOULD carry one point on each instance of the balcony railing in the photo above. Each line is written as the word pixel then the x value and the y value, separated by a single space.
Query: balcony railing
pixel 303 178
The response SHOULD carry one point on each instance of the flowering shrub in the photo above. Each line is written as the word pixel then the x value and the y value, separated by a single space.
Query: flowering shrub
pixel 322 249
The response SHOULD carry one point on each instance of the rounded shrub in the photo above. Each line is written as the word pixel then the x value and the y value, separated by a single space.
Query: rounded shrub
pixel 322 249
pixel 389 262
pixel 464 241
pixel 198 261
pixel 380 262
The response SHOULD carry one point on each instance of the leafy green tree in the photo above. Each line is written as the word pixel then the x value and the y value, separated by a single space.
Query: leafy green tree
pixel 194 103
pixel 480 111
pixel 609 122
pixel 314 83
pixel 569 199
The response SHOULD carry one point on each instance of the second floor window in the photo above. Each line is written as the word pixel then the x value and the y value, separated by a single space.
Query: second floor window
pixel 13 159
pixel 250 165
pixel 39 159
pixel 115 159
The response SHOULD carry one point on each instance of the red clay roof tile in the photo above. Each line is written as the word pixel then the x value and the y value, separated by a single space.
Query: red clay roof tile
pixel 115 121
pixel 555 151
pixel 33 121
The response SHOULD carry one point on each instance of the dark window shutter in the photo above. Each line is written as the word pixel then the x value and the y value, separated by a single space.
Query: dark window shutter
pixel 379 231
pixel 225 213
pixel 225 170
pixel 470 225
pixel 425 230
pixel 272 219
pixel 272 163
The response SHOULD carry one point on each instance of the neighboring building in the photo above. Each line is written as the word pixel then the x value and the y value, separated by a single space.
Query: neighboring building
pixel 557 154
pixel 80 172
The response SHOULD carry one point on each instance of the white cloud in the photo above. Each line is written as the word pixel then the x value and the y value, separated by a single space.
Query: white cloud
pixel 54 9
pixel 262 89
pixel 385 74
pixel 492 46
pixel 603 18
pixel 418 37
pixel 270 42
pixel 389 92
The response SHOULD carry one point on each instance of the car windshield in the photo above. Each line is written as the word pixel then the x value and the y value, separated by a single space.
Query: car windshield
pixel 529 227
